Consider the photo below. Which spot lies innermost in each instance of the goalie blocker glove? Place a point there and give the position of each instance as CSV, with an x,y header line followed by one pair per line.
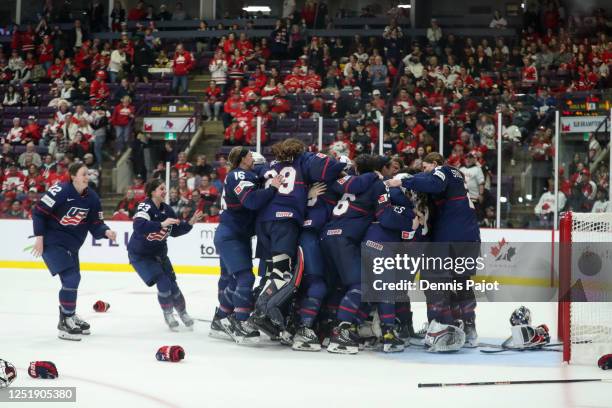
x,y
43,369
170,353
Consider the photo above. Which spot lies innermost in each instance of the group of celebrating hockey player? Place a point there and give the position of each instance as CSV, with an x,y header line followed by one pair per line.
x,y
310,213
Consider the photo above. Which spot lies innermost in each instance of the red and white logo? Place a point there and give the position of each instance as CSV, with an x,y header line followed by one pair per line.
x,y
74,216
159,235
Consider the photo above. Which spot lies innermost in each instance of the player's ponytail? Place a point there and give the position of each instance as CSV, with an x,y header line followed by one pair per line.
x,y
236,155
152,186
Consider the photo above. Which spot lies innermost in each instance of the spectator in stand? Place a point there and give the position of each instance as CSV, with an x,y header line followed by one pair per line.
x,y
209,193
117,16
182,165
218,68
213,215
434,36
601,204
118,60
213,100
179,14
544,209
201,166
121,119
137,13
30,155
234,134
138,188
11,97
181,65
99,91
99,125
15,212
15,135
475,181
279,40
76,37
498,21
125,89
126,208
93,171
13,179
31,132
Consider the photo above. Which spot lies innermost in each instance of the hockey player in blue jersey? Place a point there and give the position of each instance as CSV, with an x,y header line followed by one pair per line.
x,y
341,243
454,222
321,201
154,222
242,198
279,224
61,220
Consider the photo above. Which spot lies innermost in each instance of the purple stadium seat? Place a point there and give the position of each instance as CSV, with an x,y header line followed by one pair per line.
x,y
308,125
46,111
306,137
30,110
12,110
285,125
329,138
330,125
278,136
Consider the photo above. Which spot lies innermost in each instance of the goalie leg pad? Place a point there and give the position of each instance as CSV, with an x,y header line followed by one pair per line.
x,y
444,338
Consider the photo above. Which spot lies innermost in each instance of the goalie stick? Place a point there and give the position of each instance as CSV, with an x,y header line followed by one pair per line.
x,y
431,385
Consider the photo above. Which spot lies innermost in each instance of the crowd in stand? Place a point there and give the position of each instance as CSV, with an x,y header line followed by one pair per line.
x,y
289,77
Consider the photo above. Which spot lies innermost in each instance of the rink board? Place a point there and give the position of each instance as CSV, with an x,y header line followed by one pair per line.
x,y
195,252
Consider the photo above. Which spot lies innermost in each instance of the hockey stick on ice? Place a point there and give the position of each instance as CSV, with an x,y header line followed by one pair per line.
x,y
431,385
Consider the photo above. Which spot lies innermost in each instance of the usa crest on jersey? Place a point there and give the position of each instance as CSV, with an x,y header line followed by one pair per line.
x,y
74,216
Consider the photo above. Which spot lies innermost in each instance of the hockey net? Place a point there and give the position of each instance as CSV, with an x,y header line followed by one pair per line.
x,y
585,292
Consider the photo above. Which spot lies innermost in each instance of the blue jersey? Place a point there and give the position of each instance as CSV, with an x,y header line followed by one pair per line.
x,y
63,217
149,238
455,216
241,199
290,202
319,209
354,213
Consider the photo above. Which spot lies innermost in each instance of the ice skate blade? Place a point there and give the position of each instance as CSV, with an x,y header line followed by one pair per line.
x,y
221,335
67,336
86,332
246,341
338,349
301,346
387,348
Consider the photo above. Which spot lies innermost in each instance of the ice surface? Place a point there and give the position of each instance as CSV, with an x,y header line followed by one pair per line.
x,y
116,363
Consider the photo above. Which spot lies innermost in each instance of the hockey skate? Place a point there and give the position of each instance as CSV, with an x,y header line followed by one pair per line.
x,y
242,332
171,321
82,324
264,324
344,340
220,328
405,330
306,339
471,336
68,329
390,340
186,319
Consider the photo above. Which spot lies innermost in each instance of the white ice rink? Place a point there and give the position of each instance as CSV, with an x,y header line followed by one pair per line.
x,y
116,364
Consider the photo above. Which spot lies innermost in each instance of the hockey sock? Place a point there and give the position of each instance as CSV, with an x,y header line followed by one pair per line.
x,y
164,294
225,293
330,309
310,304
179,301
68,293
243,295
349,306
464,301
386,313
403,312
438,306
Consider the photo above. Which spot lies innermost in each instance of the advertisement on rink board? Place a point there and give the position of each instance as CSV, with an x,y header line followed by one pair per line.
x,y
194,252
